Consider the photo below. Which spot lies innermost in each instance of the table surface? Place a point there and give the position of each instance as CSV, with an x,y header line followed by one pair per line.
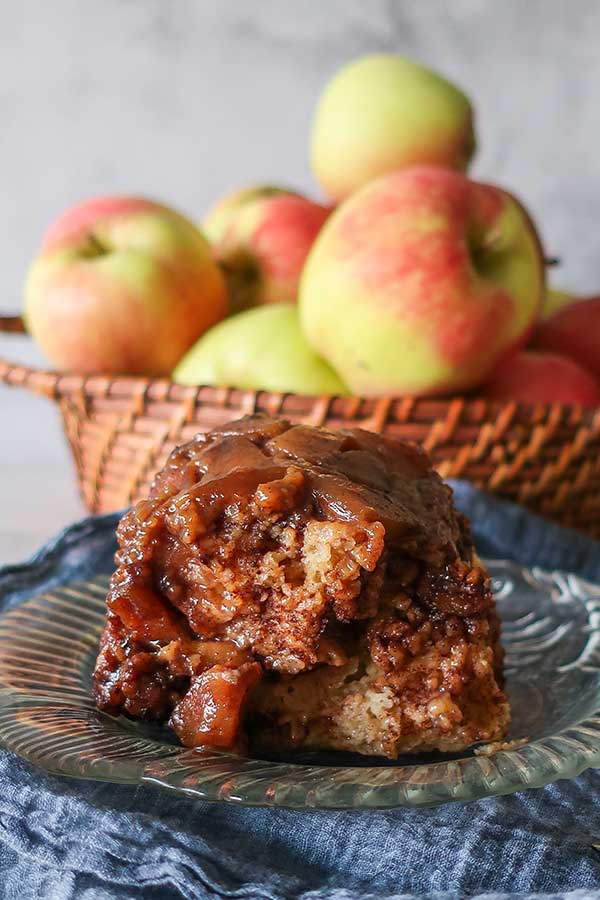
x,y
38,488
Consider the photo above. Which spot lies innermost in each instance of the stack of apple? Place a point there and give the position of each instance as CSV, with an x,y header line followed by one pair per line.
x,y
410,279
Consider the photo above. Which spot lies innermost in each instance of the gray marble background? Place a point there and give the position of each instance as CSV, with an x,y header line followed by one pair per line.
x,y
184,99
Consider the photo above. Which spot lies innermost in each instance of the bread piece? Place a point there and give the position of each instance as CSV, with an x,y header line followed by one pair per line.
x,y
287,586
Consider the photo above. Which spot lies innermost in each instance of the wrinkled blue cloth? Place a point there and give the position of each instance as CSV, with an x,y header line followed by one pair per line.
x,y
64,839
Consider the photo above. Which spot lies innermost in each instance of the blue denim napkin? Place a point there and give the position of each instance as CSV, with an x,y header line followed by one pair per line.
x,y
74,840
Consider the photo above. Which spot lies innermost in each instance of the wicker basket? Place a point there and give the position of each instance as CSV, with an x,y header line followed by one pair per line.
x,y
121,430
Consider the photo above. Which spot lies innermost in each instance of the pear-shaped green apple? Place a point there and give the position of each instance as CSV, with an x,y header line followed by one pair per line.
x,y
420,282
124,285
383,112
260,238
260,349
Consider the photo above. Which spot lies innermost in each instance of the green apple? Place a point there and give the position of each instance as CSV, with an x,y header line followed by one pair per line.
x,y
260,349
383,112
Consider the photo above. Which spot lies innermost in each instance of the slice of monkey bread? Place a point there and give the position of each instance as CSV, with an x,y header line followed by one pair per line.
x,y
290,587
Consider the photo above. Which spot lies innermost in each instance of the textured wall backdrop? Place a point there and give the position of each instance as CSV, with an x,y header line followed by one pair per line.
x,y
183,99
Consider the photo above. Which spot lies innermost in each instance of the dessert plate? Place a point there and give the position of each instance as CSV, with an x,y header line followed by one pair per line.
x,y
551,632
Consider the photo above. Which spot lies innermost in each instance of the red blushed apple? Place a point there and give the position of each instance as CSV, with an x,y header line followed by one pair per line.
x,y
261,242
531,377
420,282
571,326
122,284
224,211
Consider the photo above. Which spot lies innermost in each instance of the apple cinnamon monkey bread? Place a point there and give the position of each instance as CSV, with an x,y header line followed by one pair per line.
x,y
290,587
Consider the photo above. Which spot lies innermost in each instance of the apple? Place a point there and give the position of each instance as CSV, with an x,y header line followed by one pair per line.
x,y
122,284
420,282
260,349
553,301
261,244
532,377
219,216
571,326
381,113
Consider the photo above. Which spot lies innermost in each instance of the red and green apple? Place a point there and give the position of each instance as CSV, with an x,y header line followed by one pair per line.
x,y
538,377
123,285
421,282
261,238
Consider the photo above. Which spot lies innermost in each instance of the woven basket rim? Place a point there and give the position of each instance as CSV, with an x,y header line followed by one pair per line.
x,y
54,384
121,428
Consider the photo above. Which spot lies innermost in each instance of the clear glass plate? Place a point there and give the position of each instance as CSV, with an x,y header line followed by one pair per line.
x,y
551,632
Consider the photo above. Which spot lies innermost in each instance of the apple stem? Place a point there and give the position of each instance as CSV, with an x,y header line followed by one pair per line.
x,y
96,244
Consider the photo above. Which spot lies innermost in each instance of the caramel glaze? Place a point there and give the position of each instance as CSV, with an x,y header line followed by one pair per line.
x,y
180,641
